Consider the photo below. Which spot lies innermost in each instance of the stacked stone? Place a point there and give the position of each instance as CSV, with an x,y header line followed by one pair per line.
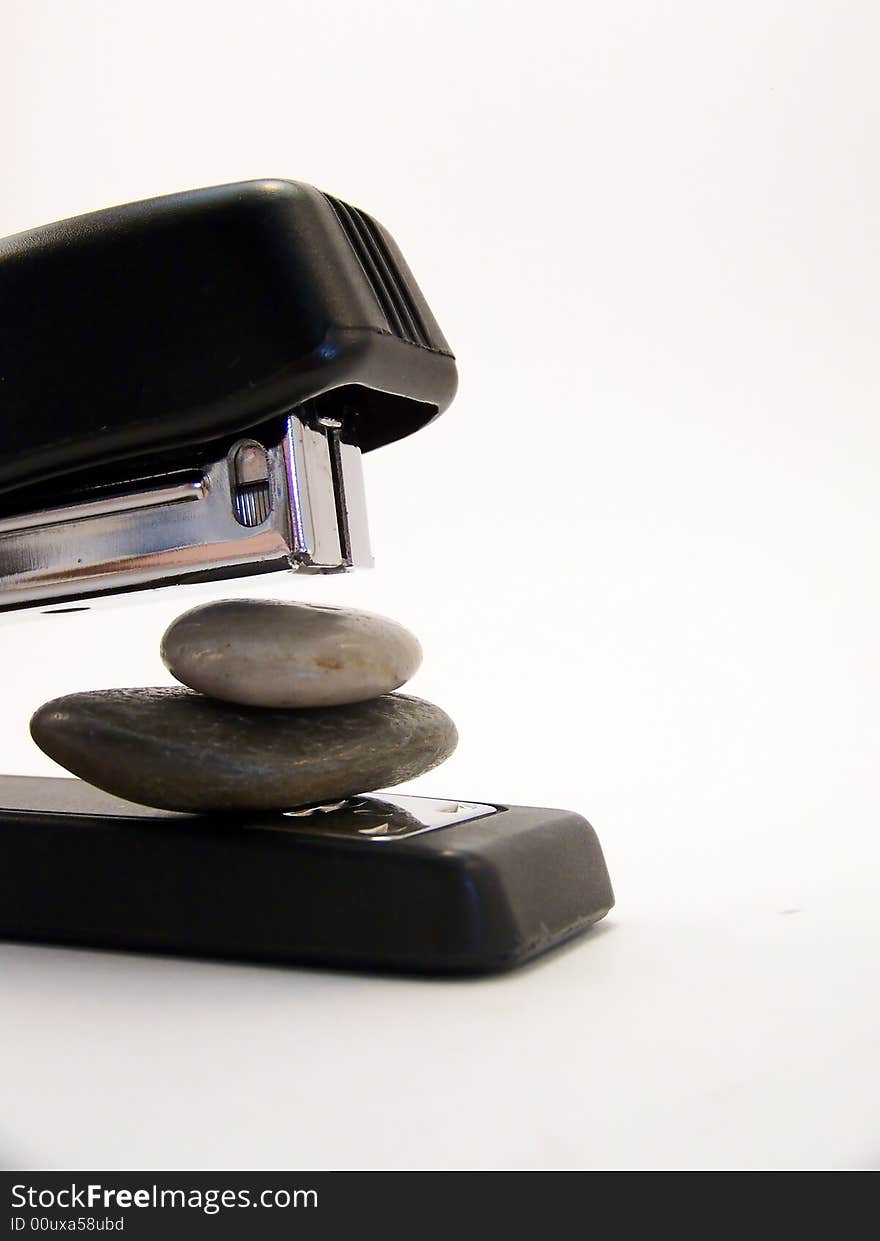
x,y
286,705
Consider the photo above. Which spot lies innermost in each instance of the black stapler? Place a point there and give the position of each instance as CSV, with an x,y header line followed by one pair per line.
x,y
187,387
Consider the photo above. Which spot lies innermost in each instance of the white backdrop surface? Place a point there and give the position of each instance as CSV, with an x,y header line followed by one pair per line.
x,y
640,551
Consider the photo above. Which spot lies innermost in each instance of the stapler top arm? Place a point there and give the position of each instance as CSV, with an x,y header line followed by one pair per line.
x,y
187,385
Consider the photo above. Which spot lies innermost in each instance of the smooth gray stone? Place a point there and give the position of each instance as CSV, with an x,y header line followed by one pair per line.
x,y
177,750
265,653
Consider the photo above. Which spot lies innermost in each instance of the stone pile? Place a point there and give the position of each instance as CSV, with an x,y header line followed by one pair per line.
x,y
286,705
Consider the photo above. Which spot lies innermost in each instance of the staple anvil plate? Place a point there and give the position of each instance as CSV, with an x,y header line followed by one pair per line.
x,y
388,882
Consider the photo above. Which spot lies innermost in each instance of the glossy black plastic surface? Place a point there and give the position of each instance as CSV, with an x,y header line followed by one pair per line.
x,y
185,319
476,896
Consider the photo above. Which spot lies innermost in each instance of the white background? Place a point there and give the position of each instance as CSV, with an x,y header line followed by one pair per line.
x,y
640,552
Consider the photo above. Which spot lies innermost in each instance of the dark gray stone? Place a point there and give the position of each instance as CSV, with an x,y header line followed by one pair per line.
x,y
266,653
177,750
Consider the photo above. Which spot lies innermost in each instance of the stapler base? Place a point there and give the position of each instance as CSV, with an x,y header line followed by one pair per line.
x,y
389,882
